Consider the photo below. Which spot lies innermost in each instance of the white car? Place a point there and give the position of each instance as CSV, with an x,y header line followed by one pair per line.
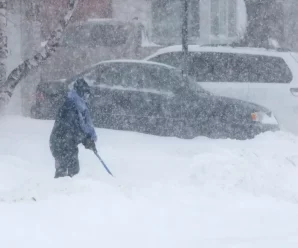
x,y
265,77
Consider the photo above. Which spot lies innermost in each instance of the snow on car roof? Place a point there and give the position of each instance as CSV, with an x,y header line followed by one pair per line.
x,y
91,67
222,49
132,61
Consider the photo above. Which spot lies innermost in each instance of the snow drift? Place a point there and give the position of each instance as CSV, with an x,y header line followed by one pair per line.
x,y
168,192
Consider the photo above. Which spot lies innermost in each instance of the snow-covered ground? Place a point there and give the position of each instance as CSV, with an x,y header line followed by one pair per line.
x,y
166,193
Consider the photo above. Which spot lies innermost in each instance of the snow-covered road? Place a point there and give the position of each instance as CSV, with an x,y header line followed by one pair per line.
x,y
166,193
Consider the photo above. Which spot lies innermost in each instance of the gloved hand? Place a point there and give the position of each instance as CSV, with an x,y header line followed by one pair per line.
x,y
89,144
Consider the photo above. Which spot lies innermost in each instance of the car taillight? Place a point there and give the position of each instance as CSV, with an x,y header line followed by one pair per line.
x,y
40,96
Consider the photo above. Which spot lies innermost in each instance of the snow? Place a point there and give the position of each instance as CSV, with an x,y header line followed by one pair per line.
x,y
167,192
43,43
295,56
104,20
131,61
222,49
274,43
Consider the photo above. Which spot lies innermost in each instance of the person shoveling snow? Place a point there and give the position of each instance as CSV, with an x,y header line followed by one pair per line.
x,y
73,126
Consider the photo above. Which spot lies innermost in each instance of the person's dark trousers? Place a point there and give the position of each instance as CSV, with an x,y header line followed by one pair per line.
x,y
67,162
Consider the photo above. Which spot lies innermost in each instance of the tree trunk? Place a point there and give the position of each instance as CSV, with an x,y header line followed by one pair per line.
x,y
3,41
19,73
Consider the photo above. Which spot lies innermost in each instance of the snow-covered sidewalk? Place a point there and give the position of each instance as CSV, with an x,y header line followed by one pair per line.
x,y
166,193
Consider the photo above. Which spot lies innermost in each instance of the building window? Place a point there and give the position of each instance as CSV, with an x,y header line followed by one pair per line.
x,y
194,18
215,17
232,18
166,16
223,17
223,13
167,21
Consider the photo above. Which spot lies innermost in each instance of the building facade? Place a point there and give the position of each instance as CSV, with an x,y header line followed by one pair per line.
x,y
291,24
51,11
266,23
210,21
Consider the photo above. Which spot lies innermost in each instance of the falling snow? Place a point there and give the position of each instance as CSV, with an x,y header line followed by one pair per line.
x,y
194,105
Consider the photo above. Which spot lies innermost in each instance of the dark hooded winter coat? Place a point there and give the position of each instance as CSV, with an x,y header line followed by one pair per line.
x,y
72,125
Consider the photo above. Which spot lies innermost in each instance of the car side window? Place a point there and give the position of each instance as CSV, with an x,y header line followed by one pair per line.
x,y
204,67
108,75
160,79
132,76
129,76
145,77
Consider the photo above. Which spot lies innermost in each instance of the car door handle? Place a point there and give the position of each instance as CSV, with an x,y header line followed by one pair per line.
x,y
294,91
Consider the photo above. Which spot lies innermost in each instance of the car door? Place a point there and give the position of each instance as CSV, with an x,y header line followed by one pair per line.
x,y
122,97
158,94
143,97
271,80
219,73
130,110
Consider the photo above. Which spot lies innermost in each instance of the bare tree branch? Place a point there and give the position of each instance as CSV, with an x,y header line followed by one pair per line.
x,y
19,73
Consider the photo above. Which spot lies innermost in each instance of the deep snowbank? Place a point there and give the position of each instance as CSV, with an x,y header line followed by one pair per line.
x,y
167,192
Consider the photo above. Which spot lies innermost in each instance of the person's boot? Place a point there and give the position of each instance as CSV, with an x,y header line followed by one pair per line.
x,y
73,171
60,172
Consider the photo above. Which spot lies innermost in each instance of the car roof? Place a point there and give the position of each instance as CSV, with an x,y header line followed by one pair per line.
x,y
219,48
132,61
123,61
